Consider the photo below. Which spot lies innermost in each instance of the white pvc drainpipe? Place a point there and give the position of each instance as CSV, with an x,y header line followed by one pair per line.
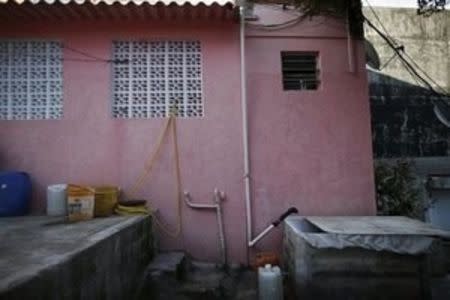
x,y
248,200
248,207
350,47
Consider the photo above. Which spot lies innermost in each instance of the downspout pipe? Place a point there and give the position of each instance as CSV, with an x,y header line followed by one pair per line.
x,y
245,141
350,45
248,202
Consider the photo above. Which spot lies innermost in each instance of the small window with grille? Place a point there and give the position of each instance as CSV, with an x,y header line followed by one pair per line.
x,y
300,71
30,80
157,78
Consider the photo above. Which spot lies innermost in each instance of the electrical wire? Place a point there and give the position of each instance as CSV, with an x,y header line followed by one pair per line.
x,y
374,13
388,62
399,50
277,26
281,7
411,66
399,46
440,102
287,24
425,73
85,54
407,64
74,59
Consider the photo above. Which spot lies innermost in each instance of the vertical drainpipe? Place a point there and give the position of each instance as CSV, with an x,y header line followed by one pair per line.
x,y
350,45
248,209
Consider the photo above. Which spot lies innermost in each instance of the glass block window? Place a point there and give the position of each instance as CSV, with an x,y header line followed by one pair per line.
x,y
154,78
30,80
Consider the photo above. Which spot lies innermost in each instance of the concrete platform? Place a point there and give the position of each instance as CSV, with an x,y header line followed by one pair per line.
x,y
47,258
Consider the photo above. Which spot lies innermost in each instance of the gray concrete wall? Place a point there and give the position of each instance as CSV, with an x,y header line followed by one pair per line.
x,y
403,121
112,268
426,40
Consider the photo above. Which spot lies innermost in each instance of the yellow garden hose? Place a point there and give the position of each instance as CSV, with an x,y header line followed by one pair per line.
x,y
150,161
137,186
131,210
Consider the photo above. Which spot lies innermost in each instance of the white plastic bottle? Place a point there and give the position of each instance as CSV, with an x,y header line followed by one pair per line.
x,y
270,283
56,200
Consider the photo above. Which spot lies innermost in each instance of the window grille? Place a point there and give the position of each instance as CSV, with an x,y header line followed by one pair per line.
x,y
30,80
156,78
300,71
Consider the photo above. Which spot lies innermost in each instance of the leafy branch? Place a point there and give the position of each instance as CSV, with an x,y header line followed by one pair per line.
x,y
396,189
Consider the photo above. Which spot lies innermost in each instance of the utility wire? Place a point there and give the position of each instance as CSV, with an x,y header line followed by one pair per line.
x,y
408,66
388,62
374,13
298,18
86,60
399,53
441,107
94,58
85,54
412,67
278,26
425,73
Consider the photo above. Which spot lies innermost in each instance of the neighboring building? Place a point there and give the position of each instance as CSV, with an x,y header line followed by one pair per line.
x,y
84,89
404,123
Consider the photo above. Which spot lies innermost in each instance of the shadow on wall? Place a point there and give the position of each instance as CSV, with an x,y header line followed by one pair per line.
x,y
404,123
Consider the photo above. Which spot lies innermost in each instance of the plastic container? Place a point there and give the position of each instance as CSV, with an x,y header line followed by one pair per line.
x,y
270,283
56,200
80,202
15,193
106,198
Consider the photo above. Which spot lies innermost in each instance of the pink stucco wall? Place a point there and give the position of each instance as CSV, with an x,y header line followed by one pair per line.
x,y
308,149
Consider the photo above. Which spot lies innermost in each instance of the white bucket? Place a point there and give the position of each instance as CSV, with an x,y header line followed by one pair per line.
x,y
56,200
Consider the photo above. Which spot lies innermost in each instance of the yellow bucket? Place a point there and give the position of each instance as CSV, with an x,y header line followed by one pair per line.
x,y
106,198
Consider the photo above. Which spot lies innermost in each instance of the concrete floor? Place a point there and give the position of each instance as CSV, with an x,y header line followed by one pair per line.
x,y
30,245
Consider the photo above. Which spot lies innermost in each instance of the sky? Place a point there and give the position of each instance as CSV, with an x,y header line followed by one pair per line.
x,y
392,3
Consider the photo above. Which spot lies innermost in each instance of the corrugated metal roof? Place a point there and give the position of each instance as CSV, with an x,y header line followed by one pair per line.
x,y
125,2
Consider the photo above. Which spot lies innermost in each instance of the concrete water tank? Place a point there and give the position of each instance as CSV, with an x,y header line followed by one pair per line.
x,y
358,257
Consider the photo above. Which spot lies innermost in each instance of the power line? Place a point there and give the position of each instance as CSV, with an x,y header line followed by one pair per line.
x,y
425,73
85,60
85,54
412,66
388,62
411,70
441,108
407,64
379,20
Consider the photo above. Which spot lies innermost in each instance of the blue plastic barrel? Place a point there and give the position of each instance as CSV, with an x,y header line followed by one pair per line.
x,y
15,194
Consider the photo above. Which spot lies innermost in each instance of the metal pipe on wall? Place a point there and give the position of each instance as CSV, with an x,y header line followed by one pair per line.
x,y
217,206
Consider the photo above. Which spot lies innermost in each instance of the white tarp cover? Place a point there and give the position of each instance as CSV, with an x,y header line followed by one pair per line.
x,y
394,234
390,225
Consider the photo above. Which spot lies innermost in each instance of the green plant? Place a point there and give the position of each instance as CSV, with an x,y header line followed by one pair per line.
x,y
396,189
